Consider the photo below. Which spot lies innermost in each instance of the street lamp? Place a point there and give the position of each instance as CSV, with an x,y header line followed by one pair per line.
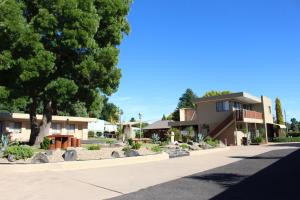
x,y
140,117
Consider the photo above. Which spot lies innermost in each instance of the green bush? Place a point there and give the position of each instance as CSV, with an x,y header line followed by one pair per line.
x,y
294,134
286,139
184,146
156,149
258,140
165,143
212,142
184,138
45,144
136,146
91,134
19,151
130,141
126,149
94,147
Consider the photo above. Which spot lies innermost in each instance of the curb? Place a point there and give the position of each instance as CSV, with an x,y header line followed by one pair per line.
x,y
78,165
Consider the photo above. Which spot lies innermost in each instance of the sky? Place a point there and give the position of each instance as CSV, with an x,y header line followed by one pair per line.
x,y
249,45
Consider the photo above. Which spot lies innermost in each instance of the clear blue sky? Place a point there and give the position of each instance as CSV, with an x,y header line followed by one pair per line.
x,y
248,45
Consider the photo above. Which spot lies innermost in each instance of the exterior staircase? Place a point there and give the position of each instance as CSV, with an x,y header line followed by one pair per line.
x,y
222,126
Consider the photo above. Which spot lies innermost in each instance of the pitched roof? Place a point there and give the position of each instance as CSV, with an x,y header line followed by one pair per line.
x,y
161,124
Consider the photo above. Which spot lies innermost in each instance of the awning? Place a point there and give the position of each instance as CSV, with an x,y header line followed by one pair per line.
x,y
281,126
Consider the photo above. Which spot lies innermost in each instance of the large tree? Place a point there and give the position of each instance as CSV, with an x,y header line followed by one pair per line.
x,y
294,125
279,115
187,100
60,53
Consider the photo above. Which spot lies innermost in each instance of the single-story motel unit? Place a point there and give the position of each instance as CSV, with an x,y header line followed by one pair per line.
x,y
18,125
227,118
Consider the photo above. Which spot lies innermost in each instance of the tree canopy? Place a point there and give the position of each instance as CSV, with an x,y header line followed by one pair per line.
x,y
216,93
187,100
61,53
279,115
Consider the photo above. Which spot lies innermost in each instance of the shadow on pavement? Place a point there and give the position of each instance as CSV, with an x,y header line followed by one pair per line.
x,y
256,157
278,181
285,145
223,179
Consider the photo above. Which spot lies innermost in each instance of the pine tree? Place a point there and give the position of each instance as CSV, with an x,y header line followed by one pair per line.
x,y
279,115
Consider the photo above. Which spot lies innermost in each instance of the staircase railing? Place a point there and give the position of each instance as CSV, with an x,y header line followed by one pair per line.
x,y
222,125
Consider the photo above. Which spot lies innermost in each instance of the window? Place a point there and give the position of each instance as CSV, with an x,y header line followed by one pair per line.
x,y
15,127
237,105
55,128
71,128
270,110
222,106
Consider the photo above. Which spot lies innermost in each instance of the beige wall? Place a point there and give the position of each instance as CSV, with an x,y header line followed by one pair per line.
x,y
81,129
188,114
266,103
207,114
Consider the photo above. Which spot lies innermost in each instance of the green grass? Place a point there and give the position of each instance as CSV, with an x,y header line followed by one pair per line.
x,y
286,139
184,146
104,140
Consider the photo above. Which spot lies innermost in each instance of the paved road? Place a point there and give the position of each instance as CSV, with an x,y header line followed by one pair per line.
x,y
271,175
166,177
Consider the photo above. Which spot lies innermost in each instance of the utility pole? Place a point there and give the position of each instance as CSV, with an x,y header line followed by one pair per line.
x,y
140,117
120,119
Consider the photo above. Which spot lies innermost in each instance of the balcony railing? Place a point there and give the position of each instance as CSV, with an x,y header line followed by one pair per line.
x,y
242,114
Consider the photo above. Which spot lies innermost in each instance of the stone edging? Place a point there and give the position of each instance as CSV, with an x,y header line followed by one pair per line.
x,y
78,165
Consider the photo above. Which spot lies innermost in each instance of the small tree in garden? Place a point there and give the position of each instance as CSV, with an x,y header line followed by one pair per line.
x,y
191,133
155,138
279,115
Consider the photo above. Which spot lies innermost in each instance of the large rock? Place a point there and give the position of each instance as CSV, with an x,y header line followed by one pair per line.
x,y
194,147
70,155
115,154
11,158
40,158
131,153
204,145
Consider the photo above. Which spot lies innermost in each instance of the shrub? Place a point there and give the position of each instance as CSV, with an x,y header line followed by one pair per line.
x,y
130,141
212,142
155,138
19,151
258,140
184,146
91,134
45,144
138,134
156,149
165,143
286,139
94,147
294,134
126,149
184,138
177,136
99,134
136,146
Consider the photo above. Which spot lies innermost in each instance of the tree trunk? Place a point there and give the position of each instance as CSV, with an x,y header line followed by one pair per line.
x,y
33,123
45,125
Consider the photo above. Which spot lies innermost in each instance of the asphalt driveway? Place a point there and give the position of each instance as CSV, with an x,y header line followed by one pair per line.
x,y
271,175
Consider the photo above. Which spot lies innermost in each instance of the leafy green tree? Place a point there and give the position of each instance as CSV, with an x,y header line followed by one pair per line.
x,y
279,115
216,93
294,125
164,118
132,119
110,112
59,53
187,100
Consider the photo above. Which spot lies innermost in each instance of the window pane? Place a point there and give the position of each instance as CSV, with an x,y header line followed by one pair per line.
x,y
55,128
71,128
226,106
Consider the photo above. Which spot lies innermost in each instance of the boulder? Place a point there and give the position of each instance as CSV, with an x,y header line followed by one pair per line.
x,y
194,148
70,155
40,158
115,154
131,153
204,145
11,158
